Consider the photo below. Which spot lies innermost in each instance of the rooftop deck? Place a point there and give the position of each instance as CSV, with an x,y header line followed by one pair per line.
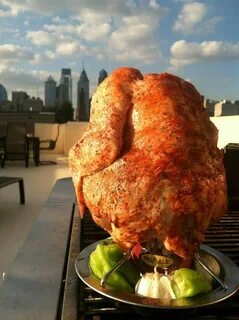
x,y
16,219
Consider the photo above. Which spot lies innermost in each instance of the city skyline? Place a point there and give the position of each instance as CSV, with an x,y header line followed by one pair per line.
x,y
57,82
102,74
197,40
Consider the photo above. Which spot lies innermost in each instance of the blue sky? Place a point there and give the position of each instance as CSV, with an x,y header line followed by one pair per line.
x,y
197,40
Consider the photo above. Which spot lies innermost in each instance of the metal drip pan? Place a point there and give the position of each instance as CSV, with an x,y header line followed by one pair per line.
x,y
229,273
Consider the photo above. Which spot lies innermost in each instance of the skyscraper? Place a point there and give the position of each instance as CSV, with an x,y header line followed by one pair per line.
x,y
66,81
3,93
102,75
50,92
18,99
83,92
62,93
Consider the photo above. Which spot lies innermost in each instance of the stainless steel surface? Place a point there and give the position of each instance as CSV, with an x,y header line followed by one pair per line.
x,y
212,274
229,270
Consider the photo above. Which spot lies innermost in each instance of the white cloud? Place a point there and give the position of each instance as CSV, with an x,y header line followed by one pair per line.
x,y
57,19
19,79
67,48
138,54
10,54
60,29
5,13
54,6
93,25
134,40
36,59
10,9
51,55
185,53
9,30
57,43
41,38
97,52
113,30
193,18
183,1
133,30
129,36
153,4
190,15
90,31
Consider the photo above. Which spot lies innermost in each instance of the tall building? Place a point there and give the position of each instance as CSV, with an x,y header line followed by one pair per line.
x,y
62,93
209,104
83,92
22,102
226,108
50,92
66,81
18,99
102,75
3,93
33,104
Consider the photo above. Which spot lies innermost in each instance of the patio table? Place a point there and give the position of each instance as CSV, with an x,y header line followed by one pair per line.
x,y
6,181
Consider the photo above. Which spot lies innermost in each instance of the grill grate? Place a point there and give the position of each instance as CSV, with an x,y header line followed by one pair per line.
x,y
222,236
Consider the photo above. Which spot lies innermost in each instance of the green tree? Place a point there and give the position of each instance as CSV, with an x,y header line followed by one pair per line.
x,y
50,109
64,112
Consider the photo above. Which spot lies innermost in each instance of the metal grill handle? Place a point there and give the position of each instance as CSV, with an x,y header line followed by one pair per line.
x,y
116,267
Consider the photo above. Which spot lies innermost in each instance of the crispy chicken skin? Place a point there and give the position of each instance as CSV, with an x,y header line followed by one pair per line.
x,y
148,166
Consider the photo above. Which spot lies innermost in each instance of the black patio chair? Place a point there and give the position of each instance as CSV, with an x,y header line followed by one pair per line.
x,y
15,144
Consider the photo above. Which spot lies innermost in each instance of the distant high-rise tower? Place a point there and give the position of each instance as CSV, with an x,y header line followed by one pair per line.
x,y
83,92
102,75
66,81
50,92
18,99
62,93
3,93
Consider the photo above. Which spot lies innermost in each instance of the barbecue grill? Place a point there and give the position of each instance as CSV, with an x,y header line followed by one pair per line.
x,y
222,236
43,285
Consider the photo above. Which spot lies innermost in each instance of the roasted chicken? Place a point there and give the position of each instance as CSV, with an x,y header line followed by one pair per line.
x,y
148,166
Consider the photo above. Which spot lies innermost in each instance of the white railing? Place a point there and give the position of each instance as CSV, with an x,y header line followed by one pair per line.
x,y
71,132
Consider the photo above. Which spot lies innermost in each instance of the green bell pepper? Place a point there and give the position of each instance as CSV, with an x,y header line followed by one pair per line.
x,y
106,255
188,283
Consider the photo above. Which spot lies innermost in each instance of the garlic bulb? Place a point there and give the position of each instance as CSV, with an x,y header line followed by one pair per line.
x,y
155,285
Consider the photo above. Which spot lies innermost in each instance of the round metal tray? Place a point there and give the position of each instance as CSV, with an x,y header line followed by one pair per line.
x,y
229,270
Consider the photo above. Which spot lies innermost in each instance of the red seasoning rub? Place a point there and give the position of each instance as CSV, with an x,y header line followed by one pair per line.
x,y
148,167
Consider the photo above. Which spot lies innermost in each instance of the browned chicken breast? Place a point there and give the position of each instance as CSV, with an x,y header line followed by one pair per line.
x,y
148,166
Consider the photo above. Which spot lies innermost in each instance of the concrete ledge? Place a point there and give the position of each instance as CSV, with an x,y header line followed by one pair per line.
x,y
33,285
